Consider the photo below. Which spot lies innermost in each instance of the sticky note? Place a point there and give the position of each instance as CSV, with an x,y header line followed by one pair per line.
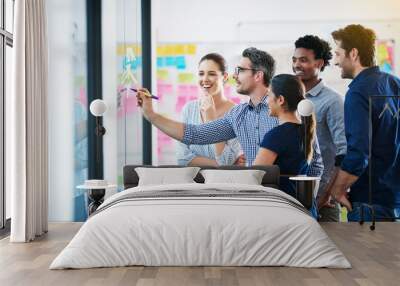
x,y
191,49
183,90
131,53
169,50
180,103
227,91
161,51
231,81
160,62
193,92
186,78
179,50
170,61
180,62
235,99
162,74
82,96
164,89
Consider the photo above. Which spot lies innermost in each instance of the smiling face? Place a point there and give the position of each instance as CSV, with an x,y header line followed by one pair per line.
x,y
245,77
304,64
344,61
210,77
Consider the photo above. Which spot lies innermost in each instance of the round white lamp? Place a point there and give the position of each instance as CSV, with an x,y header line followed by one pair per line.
x,y
98,107
305,107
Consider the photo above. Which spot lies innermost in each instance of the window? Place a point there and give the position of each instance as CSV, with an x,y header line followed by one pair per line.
x,y
6,44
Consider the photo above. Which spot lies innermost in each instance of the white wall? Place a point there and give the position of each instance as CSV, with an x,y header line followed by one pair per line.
x,y
219,21
271,23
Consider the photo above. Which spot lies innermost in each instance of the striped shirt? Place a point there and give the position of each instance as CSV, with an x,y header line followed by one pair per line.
x,y
249,123
186,153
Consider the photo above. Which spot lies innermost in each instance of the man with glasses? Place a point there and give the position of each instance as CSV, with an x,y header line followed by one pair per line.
x,y
249,122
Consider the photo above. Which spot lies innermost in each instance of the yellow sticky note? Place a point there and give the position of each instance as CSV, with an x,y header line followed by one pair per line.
x,y
343,214
186,78
382,52
137,49
160,51
191,49
179,50
169,50
162,74
231,81
120,49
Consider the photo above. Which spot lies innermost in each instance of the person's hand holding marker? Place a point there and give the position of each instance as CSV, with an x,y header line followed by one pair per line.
x,y
151,95
144,100
170,127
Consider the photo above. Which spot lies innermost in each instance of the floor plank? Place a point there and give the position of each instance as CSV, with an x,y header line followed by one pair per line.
x,y
374,255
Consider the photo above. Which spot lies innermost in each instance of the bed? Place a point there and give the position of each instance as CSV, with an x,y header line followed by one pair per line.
x,y
201,224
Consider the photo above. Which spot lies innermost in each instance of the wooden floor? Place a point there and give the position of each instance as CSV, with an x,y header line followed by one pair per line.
x,y
374,255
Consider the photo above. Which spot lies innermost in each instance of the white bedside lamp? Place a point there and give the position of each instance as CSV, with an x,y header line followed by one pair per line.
x,y
305,108
306,187
97,187
98,107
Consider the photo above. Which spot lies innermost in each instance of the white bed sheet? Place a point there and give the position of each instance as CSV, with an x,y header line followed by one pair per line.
x,y
200,231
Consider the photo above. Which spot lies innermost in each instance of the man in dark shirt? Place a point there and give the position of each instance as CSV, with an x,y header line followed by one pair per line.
x,y
355,55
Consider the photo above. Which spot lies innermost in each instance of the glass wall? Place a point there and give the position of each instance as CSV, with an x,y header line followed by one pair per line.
x,y
68,102
122,70
67,107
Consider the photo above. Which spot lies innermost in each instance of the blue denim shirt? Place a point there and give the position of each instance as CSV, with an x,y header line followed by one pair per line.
x,y
385,140
329,113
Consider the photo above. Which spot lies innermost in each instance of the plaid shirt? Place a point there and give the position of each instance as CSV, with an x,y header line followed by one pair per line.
x,y
249,124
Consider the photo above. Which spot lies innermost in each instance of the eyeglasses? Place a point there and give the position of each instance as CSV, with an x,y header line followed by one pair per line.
x,y
238,70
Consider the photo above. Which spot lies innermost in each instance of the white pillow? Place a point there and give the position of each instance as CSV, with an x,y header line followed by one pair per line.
x,y
249,177
166,176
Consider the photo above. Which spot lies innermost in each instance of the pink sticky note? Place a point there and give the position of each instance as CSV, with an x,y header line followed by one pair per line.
x,y
180,103
227,91
235,99
82,96
128,105
164,89
194,91
163,139
183,90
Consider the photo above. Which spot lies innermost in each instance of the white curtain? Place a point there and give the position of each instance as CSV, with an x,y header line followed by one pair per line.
x,y
28,121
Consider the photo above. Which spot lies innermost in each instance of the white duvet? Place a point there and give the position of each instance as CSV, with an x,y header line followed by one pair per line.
x,y
185,231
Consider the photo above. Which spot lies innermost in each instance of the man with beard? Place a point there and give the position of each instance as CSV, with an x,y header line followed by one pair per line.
x,y
310,58
249,122
355,55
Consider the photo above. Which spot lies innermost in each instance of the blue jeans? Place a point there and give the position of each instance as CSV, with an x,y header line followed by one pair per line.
x,y
314,209
382,213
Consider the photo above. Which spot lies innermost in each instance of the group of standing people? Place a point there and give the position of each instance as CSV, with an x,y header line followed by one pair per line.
x,y
333,145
